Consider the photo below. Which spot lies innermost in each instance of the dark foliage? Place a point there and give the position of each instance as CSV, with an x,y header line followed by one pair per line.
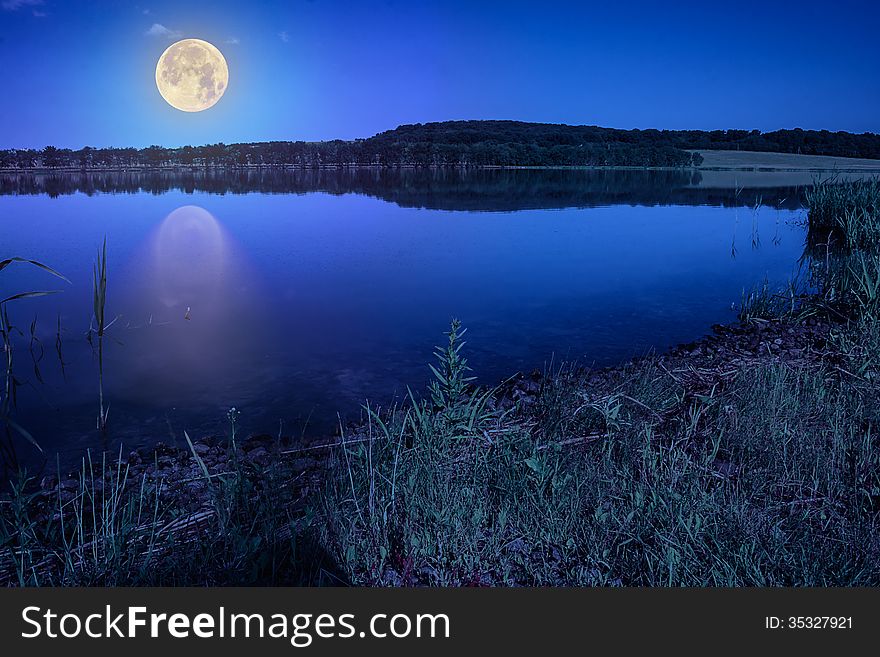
x,y
467,143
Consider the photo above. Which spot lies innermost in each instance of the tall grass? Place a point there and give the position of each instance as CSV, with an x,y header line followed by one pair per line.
x,y
7,395
108,527
99,289
763,302
843,244
770,481
850,209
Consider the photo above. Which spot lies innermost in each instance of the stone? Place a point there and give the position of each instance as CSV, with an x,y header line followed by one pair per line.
x,y
201,449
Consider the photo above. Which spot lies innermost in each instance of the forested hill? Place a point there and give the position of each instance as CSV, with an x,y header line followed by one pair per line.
x,y
548,136
514,143
467,143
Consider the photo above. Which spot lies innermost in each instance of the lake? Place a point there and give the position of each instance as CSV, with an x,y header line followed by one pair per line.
x,y
294,296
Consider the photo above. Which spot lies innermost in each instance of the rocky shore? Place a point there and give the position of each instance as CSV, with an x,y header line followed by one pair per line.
x,y
699,365
182,483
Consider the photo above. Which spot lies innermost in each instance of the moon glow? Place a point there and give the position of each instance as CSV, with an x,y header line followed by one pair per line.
x,y
192,75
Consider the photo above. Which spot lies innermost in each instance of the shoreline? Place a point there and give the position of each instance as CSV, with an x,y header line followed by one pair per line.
x,y
749,457
182,477
332,167
725,345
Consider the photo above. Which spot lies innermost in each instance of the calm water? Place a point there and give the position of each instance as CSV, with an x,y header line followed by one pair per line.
x,y
296,296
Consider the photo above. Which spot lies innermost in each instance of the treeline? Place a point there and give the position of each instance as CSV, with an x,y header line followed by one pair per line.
x,y
376,151
546,137
797,141
464,143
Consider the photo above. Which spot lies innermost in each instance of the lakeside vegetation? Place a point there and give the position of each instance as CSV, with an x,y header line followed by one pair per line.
x,y
748,458
465,143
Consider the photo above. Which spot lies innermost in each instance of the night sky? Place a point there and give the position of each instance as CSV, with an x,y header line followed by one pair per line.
x,y
82,73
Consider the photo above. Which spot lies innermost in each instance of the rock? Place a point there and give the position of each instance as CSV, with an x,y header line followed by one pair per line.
x,y
201,449
260,456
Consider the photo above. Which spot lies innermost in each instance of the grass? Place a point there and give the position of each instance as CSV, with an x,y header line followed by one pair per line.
x,y
841,258
769,479
768,475
757,464
7,393
833,206
99,293
764,303
783,161
843,245
107,527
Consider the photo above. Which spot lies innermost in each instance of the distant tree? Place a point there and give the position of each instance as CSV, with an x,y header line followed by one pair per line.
x,y
154,156
26,158
186,155
50,157
85,156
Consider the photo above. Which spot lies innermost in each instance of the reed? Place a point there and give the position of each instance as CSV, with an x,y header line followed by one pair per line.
x,y
849,212
843,245
7,398
99,288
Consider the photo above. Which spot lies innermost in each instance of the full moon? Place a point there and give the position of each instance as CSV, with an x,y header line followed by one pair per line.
x,y
192,75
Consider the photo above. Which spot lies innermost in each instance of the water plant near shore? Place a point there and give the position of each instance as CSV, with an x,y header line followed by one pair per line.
x,y
7,394
99,292
852,210
843,246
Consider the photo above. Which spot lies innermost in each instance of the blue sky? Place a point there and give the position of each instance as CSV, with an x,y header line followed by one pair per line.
x,y
82,73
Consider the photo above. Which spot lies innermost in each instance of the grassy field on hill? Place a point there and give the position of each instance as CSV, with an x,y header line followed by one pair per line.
x,y
784,161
